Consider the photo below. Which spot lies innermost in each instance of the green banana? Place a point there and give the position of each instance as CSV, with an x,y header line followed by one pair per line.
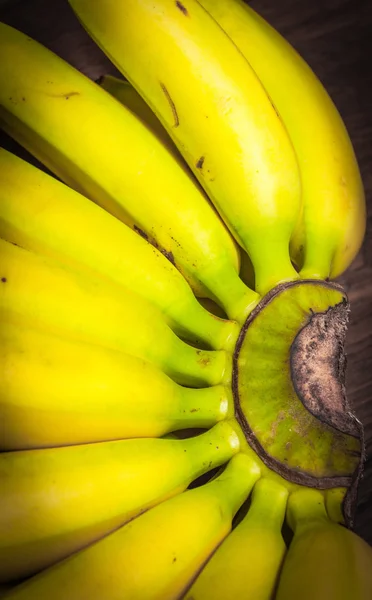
x,y
41,214
332,227
56,501
103,150
222,121
248,562
130,564
56,392
40,292
325,560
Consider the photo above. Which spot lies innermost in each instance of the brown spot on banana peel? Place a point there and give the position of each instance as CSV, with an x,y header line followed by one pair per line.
x,y
169,256
200,162
140,232
182,8
274,425
167,253
70,94
65,95
171,104
275,109
203,360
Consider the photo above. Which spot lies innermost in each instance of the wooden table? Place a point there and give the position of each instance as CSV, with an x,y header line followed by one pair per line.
x,y
335,37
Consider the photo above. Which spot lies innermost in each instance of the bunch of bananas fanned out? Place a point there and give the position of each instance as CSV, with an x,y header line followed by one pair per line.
x,y
173,414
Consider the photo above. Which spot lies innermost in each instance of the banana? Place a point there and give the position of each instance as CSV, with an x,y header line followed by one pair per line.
x,y
39,213
155,556
217,112
332,228
247,563
123,91
212,307
325,560
100,148
56,501
35,290
246,270
56,392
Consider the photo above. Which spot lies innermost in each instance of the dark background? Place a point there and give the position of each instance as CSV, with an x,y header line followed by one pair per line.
x,y
335,38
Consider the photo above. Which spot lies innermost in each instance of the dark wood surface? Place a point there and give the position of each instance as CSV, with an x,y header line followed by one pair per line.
x,y
335,37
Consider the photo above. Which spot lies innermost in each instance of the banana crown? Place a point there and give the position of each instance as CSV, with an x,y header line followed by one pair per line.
x,y
172,364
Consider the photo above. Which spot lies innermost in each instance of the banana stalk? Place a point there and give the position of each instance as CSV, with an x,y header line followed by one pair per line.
x,y
246,132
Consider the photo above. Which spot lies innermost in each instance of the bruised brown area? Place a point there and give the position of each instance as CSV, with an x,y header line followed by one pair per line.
x,y
274,107
200,162
169,255
182,8
65,95
140,232
204,360
70,94
318,364
171,104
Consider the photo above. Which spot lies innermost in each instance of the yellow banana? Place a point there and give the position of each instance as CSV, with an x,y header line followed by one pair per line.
x,y
39,213
56,501
56,392
333,224
156,556
103,150
222,119
123,91
325,560
40,292
247,563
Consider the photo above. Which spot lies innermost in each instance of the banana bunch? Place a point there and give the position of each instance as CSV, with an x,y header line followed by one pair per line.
x,y
173,415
